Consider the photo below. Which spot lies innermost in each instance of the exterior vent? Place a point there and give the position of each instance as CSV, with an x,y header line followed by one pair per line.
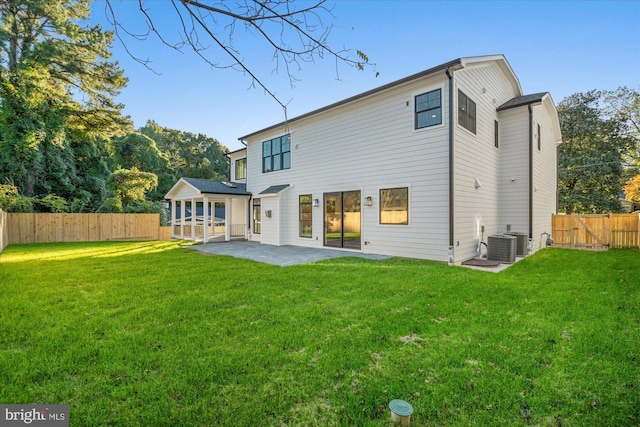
x,y
501,248
521,243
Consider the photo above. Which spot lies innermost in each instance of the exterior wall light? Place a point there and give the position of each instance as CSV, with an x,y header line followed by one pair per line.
x,y
368,201
315,203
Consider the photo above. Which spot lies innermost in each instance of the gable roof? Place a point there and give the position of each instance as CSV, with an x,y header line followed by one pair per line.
x,y
522,100
208,186
454,65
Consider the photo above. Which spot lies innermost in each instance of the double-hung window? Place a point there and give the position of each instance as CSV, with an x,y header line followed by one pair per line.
x,y
466,112
394,206
428,109
276,154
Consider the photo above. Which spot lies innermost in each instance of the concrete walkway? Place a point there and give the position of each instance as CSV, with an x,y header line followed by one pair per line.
x,y
277,255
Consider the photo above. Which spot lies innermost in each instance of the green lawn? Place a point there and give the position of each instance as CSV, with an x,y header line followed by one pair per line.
x,y
151,334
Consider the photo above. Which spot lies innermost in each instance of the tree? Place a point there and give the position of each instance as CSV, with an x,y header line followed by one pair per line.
x,y
128,187
590,174
295,32
136,150
189,155
57,90
624,104
632,189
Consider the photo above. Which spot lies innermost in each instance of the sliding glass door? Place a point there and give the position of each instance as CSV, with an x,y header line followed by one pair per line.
x,y
342,219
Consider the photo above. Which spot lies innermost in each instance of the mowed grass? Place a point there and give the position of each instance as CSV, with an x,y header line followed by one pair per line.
x,y
151,334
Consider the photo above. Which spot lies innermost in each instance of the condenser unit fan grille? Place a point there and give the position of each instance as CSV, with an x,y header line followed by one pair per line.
x,y
521,243
501,248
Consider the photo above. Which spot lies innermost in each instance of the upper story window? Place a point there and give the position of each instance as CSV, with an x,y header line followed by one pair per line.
x,y
539,137
496,128
276,154
394,205
428,109
241,168
466,112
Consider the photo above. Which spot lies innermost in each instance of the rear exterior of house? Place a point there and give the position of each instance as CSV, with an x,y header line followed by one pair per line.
x,y
424,167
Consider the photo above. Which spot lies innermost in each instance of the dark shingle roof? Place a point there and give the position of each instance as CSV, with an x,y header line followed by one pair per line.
x,y
522,100
274,189
218,187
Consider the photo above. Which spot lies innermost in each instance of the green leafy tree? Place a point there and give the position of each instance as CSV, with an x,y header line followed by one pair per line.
x,y
131,185
129,189
632,189
624,104
57,88
188,154
136,150
590,174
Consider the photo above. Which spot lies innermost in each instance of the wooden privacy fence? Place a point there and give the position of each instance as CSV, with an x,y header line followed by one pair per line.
x,y
598,232
71,227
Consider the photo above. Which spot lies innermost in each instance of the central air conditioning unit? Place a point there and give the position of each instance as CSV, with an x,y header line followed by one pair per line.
x,y
521,243
501,247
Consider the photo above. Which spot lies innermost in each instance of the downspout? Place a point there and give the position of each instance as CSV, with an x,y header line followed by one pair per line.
x,y
451,175
530,171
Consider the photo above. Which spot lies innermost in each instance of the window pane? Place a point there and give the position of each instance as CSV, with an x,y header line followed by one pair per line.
x,y
275,146
266,166
394,206
276,162
466,112
266,148
428,101
286,161
429,118
286,143
241,169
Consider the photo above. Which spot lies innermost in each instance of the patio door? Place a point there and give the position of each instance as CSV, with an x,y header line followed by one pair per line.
x,y
342,220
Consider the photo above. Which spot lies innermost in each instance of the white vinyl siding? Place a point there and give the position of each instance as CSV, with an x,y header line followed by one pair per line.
x,y
514,167
368,145
544,176
476,159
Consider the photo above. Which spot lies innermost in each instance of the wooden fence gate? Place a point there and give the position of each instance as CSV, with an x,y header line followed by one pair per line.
x,y
597,232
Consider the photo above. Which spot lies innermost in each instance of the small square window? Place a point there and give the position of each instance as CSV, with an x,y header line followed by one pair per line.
x,y
394,206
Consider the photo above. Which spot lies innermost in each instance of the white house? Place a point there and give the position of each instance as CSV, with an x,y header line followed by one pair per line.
x,y
425,167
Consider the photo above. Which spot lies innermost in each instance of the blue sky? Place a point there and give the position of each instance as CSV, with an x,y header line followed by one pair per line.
x,y
562,47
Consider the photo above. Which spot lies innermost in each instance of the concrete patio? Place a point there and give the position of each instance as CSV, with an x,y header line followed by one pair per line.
x,y
277,255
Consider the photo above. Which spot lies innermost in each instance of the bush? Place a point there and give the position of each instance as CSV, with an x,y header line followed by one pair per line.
x,y
12,201
146,206
54,204
111,205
